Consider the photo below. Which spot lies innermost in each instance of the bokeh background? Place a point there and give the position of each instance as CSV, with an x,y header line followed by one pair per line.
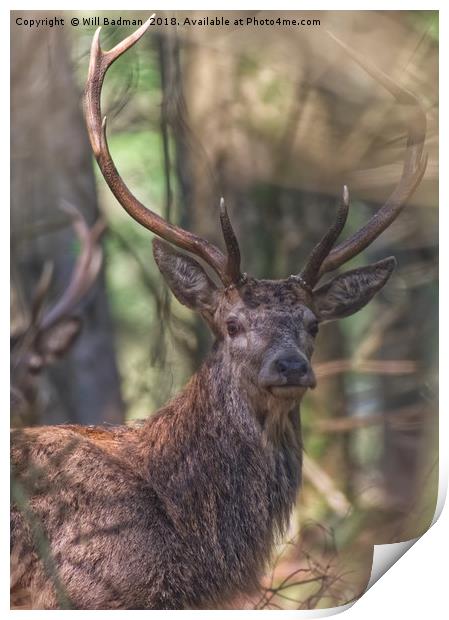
x,y
275,119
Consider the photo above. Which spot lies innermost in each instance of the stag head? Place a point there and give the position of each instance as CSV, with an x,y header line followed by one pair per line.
x,y
52,329
265,329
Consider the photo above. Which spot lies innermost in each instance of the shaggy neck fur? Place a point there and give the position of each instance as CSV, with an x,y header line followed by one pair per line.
x,y
226,468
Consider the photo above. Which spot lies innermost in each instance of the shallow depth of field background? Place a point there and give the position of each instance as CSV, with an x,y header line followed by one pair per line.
x,y
275,119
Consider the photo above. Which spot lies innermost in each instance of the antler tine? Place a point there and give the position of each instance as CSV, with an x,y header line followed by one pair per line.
x,y
90,272
26,336
100,62
232,245
413,170
86,267
310,273
96,258
41,292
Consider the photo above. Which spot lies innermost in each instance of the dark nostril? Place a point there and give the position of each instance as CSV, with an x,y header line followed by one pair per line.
x,y
282,365
288,365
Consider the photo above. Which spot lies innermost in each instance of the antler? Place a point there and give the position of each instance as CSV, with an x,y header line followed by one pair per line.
x,y
85,272
322,259
41,292
227,267
86,268
310,273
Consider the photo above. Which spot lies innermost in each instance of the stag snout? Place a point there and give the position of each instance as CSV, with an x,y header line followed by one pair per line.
x,y
287,371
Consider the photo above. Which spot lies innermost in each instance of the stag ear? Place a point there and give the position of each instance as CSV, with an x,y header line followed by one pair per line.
x,y
186,278
55,341
349,292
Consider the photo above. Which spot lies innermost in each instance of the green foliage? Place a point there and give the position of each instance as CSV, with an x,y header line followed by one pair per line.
x,y
139,158
427,21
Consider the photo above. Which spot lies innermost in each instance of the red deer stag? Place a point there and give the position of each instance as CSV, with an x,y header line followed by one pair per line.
x,y
182,511
51,331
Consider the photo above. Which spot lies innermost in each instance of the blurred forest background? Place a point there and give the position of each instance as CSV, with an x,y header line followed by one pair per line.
x,y
275,119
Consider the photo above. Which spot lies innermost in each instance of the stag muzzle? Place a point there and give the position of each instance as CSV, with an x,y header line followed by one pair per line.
x,y
287,370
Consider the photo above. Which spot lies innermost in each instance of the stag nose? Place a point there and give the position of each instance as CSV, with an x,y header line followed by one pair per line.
x,y
289,369
292,367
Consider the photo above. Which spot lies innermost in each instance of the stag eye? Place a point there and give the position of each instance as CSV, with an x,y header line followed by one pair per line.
x,y
233,327
313,328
